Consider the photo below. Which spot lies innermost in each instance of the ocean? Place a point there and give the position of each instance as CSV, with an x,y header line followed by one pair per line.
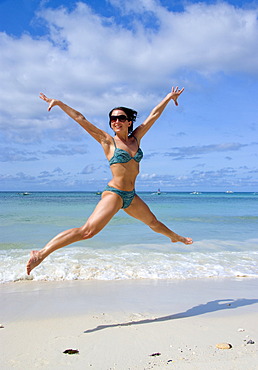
x,y
224,227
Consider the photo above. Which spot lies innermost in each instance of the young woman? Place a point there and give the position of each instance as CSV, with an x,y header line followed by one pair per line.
x,y
124,154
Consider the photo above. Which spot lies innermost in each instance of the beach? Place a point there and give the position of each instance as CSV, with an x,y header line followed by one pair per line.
x,y
128,298
130,324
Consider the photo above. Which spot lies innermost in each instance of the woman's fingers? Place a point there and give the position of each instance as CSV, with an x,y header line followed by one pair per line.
x,y
46,99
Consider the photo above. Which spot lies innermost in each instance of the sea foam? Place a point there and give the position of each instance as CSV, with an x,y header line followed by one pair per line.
x,y
142,261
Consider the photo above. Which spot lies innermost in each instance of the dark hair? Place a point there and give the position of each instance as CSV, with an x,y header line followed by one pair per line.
x,y
130,113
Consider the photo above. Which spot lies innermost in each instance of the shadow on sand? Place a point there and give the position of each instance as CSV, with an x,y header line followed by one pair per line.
x,y
201,309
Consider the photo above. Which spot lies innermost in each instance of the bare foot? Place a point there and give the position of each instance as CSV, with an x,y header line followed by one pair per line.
x,y
178,238
35,260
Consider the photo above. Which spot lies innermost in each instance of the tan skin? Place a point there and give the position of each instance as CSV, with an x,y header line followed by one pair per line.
x,y
123,178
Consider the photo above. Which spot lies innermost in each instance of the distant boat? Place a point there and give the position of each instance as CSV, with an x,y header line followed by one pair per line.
x,y
158,192
195,192
25,193
229,192
98,192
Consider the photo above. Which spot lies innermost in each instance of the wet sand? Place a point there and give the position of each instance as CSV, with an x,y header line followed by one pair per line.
x,y
130,324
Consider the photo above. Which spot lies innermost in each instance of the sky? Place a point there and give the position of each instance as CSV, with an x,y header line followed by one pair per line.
x,y
96,55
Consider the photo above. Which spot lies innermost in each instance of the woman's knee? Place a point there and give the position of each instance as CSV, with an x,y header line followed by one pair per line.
x,y
87,232
153,222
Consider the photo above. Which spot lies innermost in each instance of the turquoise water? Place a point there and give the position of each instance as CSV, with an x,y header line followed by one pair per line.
x,y
223,227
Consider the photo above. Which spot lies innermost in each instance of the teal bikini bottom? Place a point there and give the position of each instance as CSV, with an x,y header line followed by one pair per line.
x,y
127,196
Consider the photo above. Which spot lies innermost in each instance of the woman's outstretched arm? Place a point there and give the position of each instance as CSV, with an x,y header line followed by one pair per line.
x,y
95,132
156,112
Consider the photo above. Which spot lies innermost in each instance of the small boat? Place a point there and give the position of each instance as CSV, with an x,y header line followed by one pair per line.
x,y
25,193
195,192
158,192
229,192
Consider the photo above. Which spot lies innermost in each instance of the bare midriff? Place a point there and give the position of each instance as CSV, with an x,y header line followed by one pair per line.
x,y
124,175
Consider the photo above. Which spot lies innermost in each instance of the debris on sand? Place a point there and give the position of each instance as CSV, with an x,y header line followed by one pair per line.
x,y
250,342
155,354
224,346
71,351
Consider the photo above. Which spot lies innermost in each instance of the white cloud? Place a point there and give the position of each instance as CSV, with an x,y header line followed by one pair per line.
x,y
205,38
183,152
89,169
147,176
89,59
221,179
9,154
94,62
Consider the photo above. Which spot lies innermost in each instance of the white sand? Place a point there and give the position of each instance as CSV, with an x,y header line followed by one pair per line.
x,y
119,324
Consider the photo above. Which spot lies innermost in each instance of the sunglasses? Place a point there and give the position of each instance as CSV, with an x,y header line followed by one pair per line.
x,y
121,118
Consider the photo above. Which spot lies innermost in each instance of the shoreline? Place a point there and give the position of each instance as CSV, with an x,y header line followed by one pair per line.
x,y
147,295
120,324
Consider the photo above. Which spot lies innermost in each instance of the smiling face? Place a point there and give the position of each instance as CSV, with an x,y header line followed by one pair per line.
x,y
119,121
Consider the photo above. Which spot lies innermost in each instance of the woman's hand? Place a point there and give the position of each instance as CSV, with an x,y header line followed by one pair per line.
x,y
175,92
51,102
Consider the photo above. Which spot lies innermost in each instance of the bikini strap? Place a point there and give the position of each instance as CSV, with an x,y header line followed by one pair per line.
x,y
114,141
136,141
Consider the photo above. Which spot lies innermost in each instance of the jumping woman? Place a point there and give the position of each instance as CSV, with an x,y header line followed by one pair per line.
x,y
124,154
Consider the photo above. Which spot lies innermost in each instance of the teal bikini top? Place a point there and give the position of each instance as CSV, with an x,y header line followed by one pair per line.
x,y
122,156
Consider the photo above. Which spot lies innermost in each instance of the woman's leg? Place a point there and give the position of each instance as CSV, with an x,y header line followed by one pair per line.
x,y
107,207
139,209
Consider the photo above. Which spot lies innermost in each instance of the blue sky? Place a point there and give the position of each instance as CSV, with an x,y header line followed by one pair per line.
x,y
95,55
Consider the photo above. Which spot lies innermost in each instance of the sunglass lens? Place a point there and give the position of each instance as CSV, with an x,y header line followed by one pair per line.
x,y
121,118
